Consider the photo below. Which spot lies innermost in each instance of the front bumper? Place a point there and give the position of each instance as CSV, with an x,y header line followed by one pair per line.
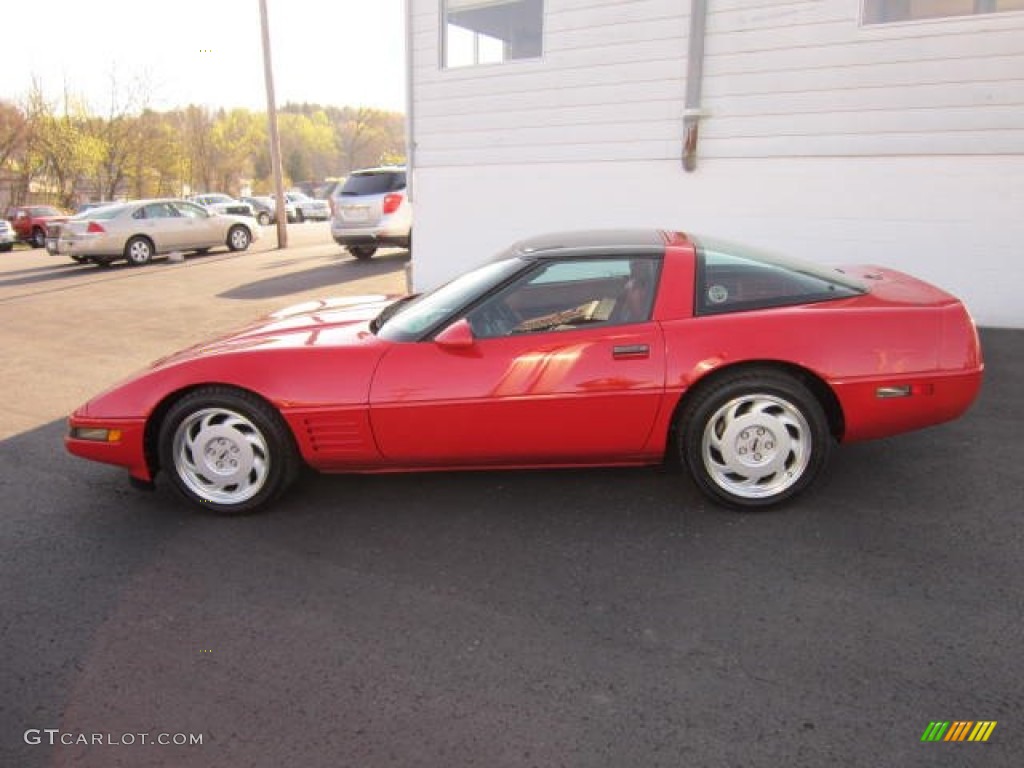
x,y
127,450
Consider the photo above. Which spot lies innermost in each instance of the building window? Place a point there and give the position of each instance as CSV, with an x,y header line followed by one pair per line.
x,y
884,11
491,31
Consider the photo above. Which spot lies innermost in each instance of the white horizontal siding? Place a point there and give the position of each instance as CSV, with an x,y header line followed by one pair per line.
x,y
803,79
900,144
595,95
954,221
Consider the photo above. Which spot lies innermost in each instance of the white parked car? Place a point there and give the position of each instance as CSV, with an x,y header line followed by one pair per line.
x,y
372,209
7,237
307,207
139,230
221,203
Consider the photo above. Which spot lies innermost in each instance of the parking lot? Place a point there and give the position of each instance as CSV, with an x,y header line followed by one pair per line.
x,y
564,618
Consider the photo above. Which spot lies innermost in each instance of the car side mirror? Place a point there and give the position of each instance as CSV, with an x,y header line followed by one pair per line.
x,y
458,335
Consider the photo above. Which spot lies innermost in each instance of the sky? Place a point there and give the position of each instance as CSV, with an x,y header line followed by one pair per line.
x,y
209,52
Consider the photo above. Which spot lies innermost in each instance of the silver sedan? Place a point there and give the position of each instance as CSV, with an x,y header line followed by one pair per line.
x,y
139,230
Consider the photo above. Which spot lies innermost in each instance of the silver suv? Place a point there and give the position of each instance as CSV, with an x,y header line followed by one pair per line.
x,y
371,210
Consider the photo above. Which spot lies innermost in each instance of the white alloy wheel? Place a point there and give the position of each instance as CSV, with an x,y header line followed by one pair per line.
x,y
754,438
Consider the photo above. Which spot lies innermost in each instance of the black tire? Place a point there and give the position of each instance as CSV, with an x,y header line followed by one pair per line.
x,y
362,251
239,238
263,218
6,247
299,215
227,450
138,251
753,438
38,238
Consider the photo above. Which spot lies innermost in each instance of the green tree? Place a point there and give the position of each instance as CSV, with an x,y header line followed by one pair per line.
x,y
307,145
235,138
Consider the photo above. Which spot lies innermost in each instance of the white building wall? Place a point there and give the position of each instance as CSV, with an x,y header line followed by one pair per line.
x,y
900,144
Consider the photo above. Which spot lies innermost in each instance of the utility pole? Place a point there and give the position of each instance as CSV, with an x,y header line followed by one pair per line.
x,y
275,139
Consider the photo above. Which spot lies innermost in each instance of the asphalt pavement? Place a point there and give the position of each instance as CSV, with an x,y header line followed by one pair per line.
x,y
552,618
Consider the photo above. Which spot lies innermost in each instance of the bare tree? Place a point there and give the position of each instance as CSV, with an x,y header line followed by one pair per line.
x,y
120,133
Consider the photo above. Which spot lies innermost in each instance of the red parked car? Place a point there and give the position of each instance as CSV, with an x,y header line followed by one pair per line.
x,y
604,348
29,222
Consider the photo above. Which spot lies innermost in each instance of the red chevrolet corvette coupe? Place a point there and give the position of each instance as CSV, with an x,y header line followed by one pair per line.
x,y
582,349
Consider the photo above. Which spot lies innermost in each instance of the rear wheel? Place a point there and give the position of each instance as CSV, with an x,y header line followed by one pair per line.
x,y
263,218
227,450
754,438
362,251
238,238
138,251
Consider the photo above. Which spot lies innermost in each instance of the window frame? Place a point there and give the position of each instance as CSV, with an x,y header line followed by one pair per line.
x,y
506,58
871,8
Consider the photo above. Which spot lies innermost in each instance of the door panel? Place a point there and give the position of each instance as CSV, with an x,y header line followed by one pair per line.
x,y
566,396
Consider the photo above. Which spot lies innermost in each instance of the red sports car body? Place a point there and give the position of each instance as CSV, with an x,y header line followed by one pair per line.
x,y
606,348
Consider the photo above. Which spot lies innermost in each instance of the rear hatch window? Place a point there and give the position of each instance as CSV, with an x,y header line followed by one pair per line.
x,y
373,183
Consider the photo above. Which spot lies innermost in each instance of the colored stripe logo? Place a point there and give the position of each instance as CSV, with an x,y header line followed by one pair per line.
x,y
958,730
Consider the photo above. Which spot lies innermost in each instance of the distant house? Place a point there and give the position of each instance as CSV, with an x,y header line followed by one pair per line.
x,y
882,131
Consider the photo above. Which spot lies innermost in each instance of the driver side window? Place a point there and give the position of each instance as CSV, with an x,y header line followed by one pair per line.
x,y
572,293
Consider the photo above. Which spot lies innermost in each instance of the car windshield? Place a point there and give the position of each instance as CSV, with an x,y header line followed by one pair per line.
x,y
417,316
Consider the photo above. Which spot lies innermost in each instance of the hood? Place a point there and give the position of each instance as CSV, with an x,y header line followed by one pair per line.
x,y
337,322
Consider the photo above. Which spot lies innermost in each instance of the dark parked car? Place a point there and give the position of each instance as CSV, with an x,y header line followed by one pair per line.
x,y
265,208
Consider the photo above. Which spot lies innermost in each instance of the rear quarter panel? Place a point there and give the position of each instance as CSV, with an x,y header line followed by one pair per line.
x,y
854,349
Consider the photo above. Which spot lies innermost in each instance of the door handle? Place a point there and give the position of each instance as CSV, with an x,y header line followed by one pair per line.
x,y
631,351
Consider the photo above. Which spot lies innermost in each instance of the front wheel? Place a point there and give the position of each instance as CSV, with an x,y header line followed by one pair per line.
x,y
754,438
362,251
227,450
238,238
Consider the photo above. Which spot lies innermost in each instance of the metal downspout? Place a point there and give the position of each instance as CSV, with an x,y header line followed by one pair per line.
x,y
410,138
692,112
410,126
